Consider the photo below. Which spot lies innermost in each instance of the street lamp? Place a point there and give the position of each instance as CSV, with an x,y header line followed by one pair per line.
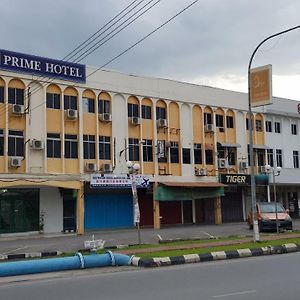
x,y
133,169
275,172
253,188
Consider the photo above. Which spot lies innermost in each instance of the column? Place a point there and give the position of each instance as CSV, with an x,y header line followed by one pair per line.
x,y
156,214
80,210
217,210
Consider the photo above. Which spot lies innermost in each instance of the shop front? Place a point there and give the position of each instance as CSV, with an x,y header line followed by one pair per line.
x,y
188,202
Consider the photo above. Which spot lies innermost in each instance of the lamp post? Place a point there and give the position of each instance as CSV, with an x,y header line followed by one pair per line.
x,y
133,170
253,188
275,172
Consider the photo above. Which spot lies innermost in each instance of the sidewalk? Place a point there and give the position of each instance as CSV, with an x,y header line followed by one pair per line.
x,y
72,242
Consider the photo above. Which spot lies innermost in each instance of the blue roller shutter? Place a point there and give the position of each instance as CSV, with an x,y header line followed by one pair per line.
x,y
108,211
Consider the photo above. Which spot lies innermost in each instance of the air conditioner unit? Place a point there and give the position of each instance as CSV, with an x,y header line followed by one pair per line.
x,y
222,163
15,162
135,121
200,172
37,144
72,114
209,128
243,165
105,117
161,123
106,168
90,167
18,109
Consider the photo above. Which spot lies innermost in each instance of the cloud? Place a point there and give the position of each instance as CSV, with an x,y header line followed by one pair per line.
x,y
211,42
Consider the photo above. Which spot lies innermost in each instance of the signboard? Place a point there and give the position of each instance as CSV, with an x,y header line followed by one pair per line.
x,y
40,66
261,86
235,179
117,181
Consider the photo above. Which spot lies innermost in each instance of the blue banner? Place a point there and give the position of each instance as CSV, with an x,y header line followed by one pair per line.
x,y
41,66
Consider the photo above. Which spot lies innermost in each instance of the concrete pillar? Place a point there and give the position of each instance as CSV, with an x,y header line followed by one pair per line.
x,y
156,213
80,209
217,210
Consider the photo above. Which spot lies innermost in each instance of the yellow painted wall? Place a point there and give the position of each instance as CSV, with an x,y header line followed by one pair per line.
x,y
71,166
174,131
105,129
71,126
90,119
54,165
148,168
231,132
2,164
133,131
220,135
260,136
54,121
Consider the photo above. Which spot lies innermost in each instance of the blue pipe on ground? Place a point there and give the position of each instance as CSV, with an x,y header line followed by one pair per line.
x,y
78,261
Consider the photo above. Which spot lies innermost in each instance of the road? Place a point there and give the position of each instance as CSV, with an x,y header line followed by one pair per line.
x,y
268,277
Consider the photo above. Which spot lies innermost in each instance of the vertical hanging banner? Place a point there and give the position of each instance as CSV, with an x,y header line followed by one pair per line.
x,y
261,86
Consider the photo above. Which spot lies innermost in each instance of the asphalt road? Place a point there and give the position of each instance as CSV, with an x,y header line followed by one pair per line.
x,y
268,277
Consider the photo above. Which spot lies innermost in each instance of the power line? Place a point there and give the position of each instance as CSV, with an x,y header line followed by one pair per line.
x,y
135,44
51,80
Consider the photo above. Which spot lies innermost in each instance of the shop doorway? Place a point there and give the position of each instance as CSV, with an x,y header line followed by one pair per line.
x,y
19,210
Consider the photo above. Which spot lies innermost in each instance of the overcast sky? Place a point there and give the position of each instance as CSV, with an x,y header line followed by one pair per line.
x,y
209,44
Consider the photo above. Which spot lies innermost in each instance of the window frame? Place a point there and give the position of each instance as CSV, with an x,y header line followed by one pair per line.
x,y
54,144
133,110
148,151
1,142
103,106
89,146
70,102
52,101
104,147
229,122
71,146
174,152
146,111
296,159
18,96
17,138
197,151
88,103
134,149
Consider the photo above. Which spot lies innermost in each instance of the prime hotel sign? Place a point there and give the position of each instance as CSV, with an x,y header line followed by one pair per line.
x,y
261,86
40,66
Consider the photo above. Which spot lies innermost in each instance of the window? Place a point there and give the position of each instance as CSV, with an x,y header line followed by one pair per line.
x,y
209,159
103,106
198,153
294,129
174,152
89,147
70,102
71,146
1,94
162,152
16,96
231,156
147,150
160,113
268,126
53,100
15,143
1,142
258,125
104,147
207,118
260,157
229,122
186,155
133,147
219,121
133,110
279,157
88,105
53,145
296,159
270,155
146,112
277,127
221,152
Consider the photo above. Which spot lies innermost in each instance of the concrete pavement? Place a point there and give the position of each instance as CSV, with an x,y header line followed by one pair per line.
x,y
72,242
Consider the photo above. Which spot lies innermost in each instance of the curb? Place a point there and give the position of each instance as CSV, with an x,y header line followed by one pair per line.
x,y
213,256
4,257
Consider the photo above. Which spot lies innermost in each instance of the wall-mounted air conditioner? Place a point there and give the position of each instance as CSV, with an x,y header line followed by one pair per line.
x,y
37,144
72,114
106,168
222,163
200,172
209,128
91,167
15,162
18,109
135,121
105,117
161,123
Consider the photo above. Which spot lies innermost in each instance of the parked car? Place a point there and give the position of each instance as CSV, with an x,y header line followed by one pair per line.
x,y
266,216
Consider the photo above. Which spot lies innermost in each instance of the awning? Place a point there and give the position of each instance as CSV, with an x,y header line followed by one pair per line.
x,y
228,145
260,147
193,184
186,191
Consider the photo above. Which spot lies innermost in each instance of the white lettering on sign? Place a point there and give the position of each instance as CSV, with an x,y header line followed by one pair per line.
x,y
22,63
235,179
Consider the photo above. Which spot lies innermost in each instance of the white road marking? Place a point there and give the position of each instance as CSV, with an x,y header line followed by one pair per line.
x,y
234,294
14,250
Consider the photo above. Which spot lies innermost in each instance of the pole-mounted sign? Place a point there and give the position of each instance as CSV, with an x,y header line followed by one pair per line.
x,y
261,86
